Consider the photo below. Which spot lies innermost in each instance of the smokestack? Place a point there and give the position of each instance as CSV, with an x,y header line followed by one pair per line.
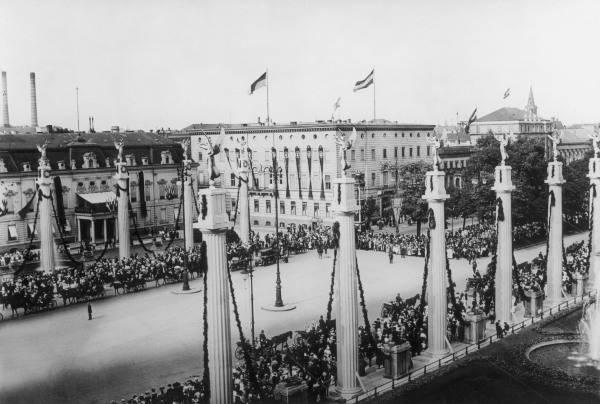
x,y
34,121
5,101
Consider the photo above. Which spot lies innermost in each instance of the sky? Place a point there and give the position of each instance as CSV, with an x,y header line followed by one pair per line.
x,y
167,64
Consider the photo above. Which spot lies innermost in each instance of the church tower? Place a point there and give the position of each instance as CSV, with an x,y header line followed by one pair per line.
x,y
530,108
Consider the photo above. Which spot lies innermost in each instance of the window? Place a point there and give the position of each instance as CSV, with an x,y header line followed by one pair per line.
x,y
282,207
267,223
256,206
362,154
293,207
327,181
316,210
418,151
199,156
232,180
132,191
161,191
304,205
30,230
148,193
373,178
428,150
403,152
255,223
384,153
352,155
385,178
372,154
163,215
268,206
271,178
12,232
410,152
327,210
396,152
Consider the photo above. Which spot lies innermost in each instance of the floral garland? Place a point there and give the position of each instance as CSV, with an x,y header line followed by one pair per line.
x,y
206,375
364,308
336,244
591,226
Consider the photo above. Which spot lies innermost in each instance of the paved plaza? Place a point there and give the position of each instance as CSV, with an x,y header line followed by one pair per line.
x,y
148,339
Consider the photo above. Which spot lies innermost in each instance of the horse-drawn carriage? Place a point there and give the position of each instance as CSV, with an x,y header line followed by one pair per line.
x,y
267,256
277,342
239,263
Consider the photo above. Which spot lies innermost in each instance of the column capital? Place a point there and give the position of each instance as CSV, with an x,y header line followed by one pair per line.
x,y
213,216
555,176
503,179
594,168
435,187
343,196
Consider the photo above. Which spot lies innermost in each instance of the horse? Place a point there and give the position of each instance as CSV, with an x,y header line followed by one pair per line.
x,y
69,295
18,301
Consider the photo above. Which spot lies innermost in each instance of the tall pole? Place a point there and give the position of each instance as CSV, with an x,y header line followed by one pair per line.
x,y
374,109
213,223
77,96
45,217
555,232
243,201
278,299
187,217
594,176
268,115
122,179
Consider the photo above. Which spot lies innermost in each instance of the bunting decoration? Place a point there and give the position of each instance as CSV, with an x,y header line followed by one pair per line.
x,y
25,209
141,185
297,150
286,156
60,205
322,195
309,158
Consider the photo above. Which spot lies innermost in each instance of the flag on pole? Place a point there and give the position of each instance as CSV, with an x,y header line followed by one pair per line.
x,y
337,104
506,94
472,119
258,83
366,82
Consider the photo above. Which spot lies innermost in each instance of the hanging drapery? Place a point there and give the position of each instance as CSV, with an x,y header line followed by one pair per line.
x,y
309,159
25,209
141,185
322,196
254,179
297,150
60,205
286,156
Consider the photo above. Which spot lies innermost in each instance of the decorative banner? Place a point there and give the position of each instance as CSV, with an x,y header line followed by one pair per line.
x,y
322,196
254,179
141,183
60,206
276,173
297,150
309,158
286,156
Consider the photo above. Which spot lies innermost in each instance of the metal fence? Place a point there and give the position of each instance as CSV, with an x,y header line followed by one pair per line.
x,y
463,352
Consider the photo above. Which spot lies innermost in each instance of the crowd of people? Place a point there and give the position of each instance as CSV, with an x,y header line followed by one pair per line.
x,y
18,256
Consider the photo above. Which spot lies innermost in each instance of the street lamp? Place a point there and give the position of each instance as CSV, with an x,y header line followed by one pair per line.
x,y
184,171
275,175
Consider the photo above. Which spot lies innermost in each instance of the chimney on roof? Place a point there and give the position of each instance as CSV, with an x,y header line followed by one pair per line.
x,y
5,101
34,120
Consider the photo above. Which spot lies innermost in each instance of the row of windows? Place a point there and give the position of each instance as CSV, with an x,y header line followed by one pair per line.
x,y
384,153
315,136
233,182
293,208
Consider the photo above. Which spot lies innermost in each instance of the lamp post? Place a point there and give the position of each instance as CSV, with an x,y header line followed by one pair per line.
x,y
184,170
275,173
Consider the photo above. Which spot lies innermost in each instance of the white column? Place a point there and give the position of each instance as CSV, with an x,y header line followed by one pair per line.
x,y
555,233
122,180
437,282
346,328
594,271
93,230
45,217
78,229
243,203
503,187
104,230
213,226
188,204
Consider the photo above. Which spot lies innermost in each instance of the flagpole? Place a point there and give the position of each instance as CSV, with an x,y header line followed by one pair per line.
x,y
374,110
268,118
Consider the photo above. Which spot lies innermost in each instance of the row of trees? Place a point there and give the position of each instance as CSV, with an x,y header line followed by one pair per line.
x,y
527,157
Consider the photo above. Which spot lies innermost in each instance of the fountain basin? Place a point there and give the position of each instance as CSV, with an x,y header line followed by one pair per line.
x,y
565,355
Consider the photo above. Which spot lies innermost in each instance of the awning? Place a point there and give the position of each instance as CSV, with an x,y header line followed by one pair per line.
x,y
12,232
96,198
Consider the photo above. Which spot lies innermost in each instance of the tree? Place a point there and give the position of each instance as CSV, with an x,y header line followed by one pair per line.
x,y
368,208
413,205
576,191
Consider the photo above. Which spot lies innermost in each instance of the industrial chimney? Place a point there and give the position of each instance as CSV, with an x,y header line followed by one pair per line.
x,y
5,101
34,121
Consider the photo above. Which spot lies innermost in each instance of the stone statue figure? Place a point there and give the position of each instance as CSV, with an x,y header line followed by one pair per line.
x,y
42,149
555,138
119,147
435,142
185,145
212,151
595,136
504,140
345,145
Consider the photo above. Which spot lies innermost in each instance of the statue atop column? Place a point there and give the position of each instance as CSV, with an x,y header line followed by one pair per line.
x,y
555,139
595,136
504,140
345,145
185,145
43,160
213,150
435,142
119,147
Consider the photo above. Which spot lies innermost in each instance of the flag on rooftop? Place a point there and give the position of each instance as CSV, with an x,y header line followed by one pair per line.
x,y
472,119
366,82
258,83
337,104
506,94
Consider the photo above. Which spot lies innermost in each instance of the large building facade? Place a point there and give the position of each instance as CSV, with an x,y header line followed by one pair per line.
x,y
308,159
85,165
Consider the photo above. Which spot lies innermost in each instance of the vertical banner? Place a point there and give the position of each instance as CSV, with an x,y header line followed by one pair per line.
x,y
322,196
60,205
297,150
254,179
309,158
286,156
141,186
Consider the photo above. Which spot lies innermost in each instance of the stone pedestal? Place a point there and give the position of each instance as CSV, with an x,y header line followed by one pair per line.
x,y
122,180
188,206
213,223
45,217
534,303
397,362
435,195
475,328
346,289
291,394
555,232
580,285
504,187
594,176
243,203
